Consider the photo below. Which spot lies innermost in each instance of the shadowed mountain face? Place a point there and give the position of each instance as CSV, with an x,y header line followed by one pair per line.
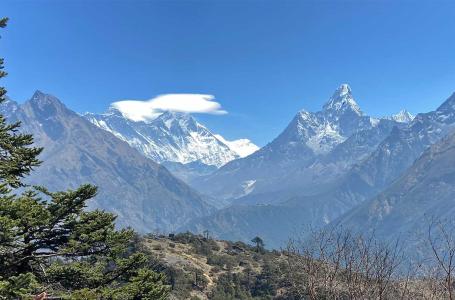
x,y
426,191
142,193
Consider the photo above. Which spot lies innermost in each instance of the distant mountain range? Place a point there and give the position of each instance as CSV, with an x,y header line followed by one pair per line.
x,y
144,195
176,140
334,166
314,150
415,187
327,164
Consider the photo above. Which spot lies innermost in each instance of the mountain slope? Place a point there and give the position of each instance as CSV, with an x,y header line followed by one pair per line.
x,y
275,224
425,191
399,151
142,193
390,159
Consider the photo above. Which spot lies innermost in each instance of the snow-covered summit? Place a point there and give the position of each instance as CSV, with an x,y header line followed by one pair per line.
x,y
342,101
178,120
339,118
172,137
243,147
403,116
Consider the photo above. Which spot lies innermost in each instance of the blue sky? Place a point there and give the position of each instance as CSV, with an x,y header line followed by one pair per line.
x,y
263,60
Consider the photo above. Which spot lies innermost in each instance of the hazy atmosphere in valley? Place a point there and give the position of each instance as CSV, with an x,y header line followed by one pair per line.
x,y
227,149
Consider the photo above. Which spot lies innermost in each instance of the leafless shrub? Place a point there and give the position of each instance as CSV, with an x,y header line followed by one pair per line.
x,y
339,264
441,239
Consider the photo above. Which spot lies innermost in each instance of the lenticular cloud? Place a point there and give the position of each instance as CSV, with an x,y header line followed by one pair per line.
x,y
138,110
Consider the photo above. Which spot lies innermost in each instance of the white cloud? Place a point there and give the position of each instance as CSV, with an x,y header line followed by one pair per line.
x,y
146,110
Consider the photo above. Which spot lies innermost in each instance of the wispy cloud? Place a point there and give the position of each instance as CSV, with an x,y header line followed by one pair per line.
x,y
146,110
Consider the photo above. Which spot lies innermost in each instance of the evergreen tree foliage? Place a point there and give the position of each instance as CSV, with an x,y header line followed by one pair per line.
x,y
50,243
259,243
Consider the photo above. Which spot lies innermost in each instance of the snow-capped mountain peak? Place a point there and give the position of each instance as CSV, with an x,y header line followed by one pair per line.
x,y
339,118
344,89
243,147
342,101
180,120
114,111
172,137
402,116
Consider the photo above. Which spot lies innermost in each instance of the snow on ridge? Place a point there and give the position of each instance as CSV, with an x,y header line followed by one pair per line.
x,y
321,131
342,100
243,147
171,137
403,116
325,139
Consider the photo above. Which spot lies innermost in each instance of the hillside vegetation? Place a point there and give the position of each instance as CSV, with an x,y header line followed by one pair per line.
x,y
198,267
332,265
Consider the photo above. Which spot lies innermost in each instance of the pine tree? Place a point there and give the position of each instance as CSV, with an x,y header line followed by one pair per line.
x,y
259,244
50,243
